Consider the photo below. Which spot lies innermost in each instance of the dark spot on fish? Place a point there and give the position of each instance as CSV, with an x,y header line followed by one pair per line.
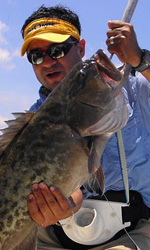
x,y
9,220
45,169
5,182
25,171
18,223
41,156
7,201
16,213
3,213
16,187
1,226
14,204
25,213
13,164
39,171
5,233
33,177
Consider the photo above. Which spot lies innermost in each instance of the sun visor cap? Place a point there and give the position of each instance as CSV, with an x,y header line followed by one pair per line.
x,y
52,30
51,37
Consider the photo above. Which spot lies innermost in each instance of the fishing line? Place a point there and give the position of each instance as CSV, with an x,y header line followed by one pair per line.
x,y
126,232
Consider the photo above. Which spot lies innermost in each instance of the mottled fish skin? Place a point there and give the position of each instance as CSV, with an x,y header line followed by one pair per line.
x,y
51,147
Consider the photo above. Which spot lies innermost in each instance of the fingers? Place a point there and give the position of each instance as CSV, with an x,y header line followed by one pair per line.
x,y
119,30
47,201
116,24
121,40
34,211
62,203
38,207
115,39
47,205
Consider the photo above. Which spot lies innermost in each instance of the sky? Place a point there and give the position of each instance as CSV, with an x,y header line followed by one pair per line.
x,y
18,84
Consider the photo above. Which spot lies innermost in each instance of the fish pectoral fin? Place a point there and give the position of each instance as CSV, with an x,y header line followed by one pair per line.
x,y
93,160
96,182
96,150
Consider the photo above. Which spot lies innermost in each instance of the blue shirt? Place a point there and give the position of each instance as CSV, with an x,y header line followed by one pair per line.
x,y
136,137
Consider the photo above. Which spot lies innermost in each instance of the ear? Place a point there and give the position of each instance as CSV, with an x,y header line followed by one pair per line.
x,y
81,46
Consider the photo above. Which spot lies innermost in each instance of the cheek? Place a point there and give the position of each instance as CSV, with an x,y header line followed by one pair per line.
x,y
36,70
72,58
71,61
38,74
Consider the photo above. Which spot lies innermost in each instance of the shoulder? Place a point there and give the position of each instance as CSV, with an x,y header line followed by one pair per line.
x,y
36,105
138,87
43,93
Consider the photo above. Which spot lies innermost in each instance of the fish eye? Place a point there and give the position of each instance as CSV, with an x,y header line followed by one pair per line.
x,y
82,73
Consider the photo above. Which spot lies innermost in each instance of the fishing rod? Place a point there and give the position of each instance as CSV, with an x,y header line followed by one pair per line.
x,y
127,15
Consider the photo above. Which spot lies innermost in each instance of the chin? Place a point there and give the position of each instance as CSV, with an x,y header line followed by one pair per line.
x,y
52,86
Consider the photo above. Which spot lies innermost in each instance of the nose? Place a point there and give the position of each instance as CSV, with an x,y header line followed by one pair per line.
x,y
48,61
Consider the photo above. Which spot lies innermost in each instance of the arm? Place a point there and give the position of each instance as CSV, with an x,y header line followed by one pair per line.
x,y
125,44
48,205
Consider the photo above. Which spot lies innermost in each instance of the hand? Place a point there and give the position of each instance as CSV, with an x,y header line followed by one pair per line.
x,y
125,44
48,205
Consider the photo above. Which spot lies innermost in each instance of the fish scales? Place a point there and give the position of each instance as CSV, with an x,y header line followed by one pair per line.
x,y
51,148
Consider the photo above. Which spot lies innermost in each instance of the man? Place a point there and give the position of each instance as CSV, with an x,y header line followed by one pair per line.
x,y
53,46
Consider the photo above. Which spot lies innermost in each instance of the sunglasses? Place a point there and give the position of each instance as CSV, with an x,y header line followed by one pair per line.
x,y
55,51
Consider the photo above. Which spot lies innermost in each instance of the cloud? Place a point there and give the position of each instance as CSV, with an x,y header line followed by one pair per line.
x,y
2,123
16,53
6,58
3,29
2,39
3,26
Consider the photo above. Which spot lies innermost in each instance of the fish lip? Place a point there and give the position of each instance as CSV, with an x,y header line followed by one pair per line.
x,y
110,73
106,67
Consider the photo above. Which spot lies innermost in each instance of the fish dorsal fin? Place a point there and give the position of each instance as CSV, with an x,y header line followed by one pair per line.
x,y
14,126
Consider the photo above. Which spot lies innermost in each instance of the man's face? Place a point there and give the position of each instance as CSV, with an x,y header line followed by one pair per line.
x,y
52,71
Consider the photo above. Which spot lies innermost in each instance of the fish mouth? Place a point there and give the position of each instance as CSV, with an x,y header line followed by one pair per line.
x,y
106,69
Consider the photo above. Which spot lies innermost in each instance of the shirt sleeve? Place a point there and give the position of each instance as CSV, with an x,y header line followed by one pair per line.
x,y
143,98
138,89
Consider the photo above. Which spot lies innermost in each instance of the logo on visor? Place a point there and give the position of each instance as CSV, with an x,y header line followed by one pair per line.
x,y
39,25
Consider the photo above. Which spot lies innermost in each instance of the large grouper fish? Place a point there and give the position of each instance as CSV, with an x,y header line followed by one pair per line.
x,y
60,144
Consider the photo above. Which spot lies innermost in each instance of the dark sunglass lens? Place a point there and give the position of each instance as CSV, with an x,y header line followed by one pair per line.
x,y
36,58
59,51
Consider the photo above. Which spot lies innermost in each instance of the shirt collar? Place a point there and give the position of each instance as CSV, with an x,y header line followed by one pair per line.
x,y
43,93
